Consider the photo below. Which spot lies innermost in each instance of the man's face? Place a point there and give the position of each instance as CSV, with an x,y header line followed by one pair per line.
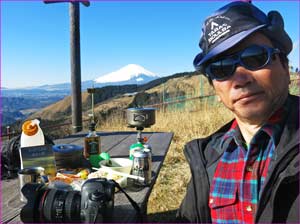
x,y
254,95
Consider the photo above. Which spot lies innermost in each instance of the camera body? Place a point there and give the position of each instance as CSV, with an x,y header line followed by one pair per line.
x,y
94,203
97,200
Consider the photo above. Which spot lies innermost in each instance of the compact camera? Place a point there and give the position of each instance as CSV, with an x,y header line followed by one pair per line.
x,y
94,203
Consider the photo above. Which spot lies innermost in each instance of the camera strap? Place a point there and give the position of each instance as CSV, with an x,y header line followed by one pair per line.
x,y
133,203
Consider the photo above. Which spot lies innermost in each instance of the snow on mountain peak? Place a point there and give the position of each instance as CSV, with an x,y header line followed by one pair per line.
x,y
129,72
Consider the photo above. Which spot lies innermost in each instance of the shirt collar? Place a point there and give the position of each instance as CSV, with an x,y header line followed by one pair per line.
x,y
272,129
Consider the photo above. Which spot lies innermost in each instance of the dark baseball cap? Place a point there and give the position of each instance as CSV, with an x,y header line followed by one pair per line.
x,y
233,23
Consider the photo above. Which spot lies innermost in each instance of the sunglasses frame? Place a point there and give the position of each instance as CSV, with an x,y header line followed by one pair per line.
x,y
236,59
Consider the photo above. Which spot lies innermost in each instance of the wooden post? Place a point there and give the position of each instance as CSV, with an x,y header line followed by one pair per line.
x,y
75,61
75,66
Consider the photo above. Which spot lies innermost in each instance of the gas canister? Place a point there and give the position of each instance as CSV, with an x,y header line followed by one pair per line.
x,y
142,166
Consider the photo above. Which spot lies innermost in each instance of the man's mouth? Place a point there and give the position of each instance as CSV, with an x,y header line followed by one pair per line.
x,y
248,97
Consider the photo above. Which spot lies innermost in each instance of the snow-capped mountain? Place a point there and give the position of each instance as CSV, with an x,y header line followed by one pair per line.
x,y
130,74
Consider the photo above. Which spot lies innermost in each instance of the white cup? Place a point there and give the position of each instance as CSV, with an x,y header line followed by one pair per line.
x,y
29,175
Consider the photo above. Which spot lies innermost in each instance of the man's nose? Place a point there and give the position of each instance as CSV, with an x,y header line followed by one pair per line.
x,y
242,77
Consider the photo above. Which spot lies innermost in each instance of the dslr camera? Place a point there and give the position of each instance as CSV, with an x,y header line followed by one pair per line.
x,y
94,203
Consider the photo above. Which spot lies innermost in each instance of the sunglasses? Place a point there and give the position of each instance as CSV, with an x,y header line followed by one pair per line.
x,y
252,58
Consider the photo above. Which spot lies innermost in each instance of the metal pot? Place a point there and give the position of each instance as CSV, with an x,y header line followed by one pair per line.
x,y
140,117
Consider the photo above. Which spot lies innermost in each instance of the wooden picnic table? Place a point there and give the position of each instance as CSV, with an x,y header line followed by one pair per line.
x,y
117,145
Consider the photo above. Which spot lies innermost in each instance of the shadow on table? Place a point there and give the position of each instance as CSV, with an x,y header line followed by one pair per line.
x,y
163,217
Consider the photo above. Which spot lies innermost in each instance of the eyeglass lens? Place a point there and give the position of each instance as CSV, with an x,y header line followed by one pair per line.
x,y
252,58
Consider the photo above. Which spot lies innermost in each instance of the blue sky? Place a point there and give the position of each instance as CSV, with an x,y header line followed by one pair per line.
x,y
160,36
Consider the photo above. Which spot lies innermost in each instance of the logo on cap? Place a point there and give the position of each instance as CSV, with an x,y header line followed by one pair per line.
x,y
218,28
213,24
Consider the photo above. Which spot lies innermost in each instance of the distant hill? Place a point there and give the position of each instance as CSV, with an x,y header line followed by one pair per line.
x,y
18,108
131,74
111,100
42,91
177,84
18,103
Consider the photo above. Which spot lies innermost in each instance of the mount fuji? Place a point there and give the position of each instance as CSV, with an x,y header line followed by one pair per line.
x,y
129,74
19,102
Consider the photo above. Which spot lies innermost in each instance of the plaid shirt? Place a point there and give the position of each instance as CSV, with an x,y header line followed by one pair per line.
x,y
242,170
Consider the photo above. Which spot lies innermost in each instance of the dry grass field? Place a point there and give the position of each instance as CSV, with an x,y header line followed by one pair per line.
x,y
170,186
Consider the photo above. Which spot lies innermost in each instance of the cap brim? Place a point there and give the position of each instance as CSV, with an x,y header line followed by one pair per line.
x,y
225,45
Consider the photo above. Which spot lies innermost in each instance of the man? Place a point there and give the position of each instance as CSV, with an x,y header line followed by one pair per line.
x,y
248,171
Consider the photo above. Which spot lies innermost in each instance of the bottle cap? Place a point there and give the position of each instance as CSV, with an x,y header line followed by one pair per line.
x,y
30,128
137,145
94,160
104,156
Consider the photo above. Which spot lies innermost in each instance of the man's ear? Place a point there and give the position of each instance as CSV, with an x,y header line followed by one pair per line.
x,y
219,98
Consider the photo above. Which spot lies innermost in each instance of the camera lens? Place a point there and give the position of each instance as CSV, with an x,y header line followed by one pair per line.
x,y
62,206
94,203
72,207
34,194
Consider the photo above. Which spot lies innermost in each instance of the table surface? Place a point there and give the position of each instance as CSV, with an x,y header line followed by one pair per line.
x,y
117,145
